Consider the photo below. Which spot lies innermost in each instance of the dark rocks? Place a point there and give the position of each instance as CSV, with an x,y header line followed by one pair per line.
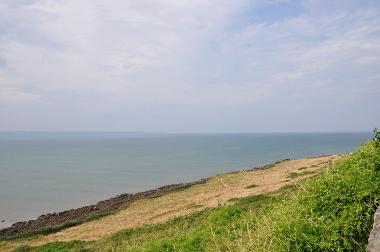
x,y
76,216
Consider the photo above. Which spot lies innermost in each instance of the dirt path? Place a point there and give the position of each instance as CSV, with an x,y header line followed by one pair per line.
x,y
217,190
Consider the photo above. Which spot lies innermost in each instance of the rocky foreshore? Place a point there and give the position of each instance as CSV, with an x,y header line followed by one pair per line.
x,y
76,216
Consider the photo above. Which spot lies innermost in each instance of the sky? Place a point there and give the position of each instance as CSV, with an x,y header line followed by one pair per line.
x,y
189,66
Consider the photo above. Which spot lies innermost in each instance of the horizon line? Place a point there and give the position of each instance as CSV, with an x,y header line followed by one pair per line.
x,y
178,133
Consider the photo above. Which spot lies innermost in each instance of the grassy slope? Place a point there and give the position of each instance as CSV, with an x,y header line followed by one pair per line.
x,y
330,212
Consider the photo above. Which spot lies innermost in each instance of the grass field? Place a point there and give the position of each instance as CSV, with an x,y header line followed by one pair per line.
x,y
330,211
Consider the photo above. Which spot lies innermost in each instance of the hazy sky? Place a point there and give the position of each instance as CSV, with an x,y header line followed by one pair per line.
x,y
189,66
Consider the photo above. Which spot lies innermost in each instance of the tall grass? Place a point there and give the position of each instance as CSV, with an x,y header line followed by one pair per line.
x,y
332,211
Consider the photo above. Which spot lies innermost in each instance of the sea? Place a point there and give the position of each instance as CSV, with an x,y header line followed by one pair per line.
x,y
45,172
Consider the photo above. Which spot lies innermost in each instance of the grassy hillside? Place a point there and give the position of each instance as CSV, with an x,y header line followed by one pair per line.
x,y
331,211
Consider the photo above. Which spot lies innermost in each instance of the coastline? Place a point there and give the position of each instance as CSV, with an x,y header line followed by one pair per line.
x,y
54,222
79,215
219,190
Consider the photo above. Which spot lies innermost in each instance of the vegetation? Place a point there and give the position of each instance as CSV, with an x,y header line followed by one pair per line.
x,y
376,137
251,186
298,174
332,211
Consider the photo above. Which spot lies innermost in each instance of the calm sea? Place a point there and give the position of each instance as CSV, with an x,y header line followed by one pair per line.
x,y
48,172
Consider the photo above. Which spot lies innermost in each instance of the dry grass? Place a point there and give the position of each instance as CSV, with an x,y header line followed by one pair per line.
x,y
218,190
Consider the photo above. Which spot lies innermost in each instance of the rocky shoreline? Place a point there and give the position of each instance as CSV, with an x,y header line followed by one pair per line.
x,y
76,216
53,222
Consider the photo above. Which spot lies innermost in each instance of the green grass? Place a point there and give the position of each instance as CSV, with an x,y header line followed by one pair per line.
x,y
335,210
302,168
251,186
298,174
332,211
